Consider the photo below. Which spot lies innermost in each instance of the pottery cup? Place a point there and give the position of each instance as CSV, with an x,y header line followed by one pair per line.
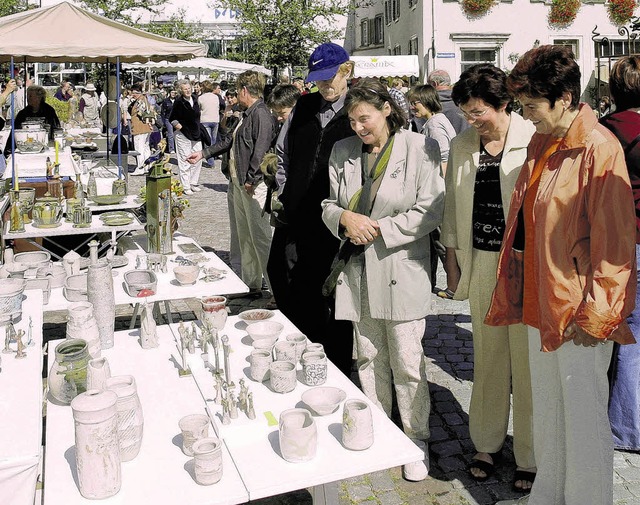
x,y
298,435
193,427
357,425
283,376
208,460
260,362
314,367
301,343
285,351
313,347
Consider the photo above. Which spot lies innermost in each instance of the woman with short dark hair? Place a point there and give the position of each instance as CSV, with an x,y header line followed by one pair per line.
x,y
565,270
386,196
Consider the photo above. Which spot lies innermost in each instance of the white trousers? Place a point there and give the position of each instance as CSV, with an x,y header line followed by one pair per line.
x,y
141,144
254,233
189,174
390,353
234,243
500,369
571,431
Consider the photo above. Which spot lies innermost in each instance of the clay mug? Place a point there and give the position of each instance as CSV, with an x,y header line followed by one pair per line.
x,y
283,376
300,340
194,427
285,351
208,460
260,361
298,435
313,347
357,425
314,367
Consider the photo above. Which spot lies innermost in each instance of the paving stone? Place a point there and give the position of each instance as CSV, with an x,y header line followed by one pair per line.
x,y
381,481
389,498
629,474
437,434
360,492
449,448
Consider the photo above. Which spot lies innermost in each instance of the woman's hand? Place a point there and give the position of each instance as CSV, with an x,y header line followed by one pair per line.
x,y
581,337
452,269
360,229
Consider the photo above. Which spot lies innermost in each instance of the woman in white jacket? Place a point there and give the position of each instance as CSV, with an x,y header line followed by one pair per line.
x,y
387,194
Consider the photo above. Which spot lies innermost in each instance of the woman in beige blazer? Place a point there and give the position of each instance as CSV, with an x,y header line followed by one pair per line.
x,y
484,164
387,194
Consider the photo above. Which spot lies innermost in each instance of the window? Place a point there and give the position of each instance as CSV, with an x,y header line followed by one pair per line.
x,y
395,8
413,45
570,43
364,32
387,12
378,30
397,50
470,56
613,48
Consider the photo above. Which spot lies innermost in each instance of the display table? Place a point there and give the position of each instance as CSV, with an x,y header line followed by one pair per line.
x,y
35,164
130,202
254,446
161,473
21,409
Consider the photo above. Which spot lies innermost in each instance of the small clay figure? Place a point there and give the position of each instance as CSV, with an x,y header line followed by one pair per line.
x,y
251,413
181,331
194,333
148,333
242,396
10,336
226,418
21,354
30,341
217,384
216,349
233,406
184,355
226,349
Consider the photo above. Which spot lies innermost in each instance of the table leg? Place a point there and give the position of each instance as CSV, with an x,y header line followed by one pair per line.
x,y
325,494
167,310
134,316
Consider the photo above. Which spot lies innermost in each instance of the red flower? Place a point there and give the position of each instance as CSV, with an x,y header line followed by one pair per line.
x,y
621,11
475,8
563,12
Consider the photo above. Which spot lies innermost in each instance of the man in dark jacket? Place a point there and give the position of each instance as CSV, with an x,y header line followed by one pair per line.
x,y
441,80
248,144
303,249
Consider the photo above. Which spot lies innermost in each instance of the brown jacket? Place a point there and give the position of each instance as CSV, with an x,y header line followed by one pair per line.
x,y
584,245
138,126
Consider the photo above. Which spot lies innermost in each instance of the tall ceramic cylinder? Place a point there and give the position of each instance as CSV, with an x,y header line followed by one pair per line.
x,y
82,324
97,453
298,435
130,419
68,374
100,294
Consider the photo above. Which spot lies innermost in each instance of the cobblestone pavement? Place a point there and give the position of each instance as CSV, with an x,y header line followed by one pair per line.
x,y
448,346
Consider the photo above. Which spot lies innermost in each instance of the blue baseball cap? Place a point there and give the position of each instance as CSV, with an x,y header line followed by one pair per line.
x,y
325,61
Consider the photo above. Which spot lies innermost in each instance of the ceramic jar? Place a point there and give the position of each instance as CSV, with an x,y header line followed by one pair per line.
x,y
298,435
260,361
47,212
313,347
100,294
193,427
214,311
98,371
97,456
130,419
68,374
282,376
82,324
357,425
208,460
285,351
314,367
300,340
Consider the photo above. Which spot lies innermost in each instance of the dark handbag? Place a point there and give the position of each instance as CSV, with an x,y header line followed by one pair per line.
x,y
124,145
205,138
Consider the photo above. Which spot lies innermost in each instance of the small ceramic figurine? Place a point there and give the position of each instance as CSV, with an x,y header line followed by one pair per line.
x,y
233,406
227,349
21,354
181,331
226,419
10,336
251,413
30,341
148,333
217,384
242,396
194,333
191,342
215,341
184,356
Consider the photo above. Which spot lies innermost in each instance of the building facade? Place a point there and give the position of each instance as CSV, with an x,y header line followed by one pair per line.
x,y
443,36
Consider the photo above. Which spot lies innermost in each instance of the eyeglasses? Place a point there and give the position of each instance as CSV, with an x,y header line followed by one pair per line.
x,y
472,115
414,103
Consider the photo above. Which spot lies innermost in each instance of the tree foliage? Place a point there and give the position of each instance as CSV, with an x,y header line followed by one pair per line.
x,y
126,11
176,28
8,7
283,32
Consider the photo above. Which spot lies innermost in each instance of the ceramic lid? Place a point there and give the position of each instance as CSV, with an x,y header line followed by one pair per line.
x,y
94,405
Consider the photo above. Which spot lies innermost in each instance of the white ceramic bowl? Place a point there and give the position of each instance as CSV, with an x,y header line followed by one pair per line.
x,y
264,329
324,400
33,258
265,344
255,315
186,274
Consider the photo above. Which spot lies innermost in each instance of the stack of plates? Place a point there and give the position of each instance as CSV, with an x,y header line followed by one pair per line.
x,y
117,218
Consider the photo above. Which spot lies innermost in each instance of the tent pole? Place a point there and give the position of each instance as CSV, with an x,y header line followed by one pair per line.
x,y
107,115
119,127
13,133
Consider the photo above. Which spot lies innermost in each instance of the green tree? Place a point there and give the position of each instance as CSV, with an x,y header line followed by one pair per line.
x,y
283,32
126,11
8,7
176,28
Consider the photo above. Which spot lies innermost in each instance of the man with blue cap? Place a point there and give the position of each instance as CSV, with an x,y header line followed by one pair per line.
x,y
303,249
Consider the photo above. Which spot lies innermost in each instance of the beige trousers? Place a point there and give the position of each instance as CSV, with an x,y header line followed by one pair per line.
x,y
189,174
501,368
390,353
573,440
254,233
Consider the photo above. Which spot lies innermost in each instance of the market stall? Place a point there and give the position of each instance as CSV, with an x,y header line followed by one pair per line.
x,y
386,66
197,65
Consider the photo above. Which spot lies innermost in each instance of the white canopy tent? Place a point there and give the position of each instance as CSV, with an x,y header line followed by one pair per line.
x,y
386,66
199,64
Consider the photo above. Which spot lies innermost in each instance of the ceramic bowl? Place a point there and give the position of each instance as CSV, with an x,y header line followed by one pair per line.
x,y
55,272
75,288
264,330
324,400
11,298
265,344
33,258
16,270
255,315
107,199
137,280
186,274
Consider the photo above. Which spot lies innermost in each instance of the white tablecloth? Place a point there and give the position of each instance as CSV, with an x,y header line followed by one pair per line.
x,y
21,410
35,165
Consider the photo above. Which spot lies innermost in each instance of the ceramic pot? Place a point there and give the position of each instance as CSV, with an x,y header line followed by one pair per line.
x,y
285,351
300,340
55,272
208,460
68,374
314,367
357,425
298,435
193,427
98,371
313,347
69,205
282,376
97,457
82,324
100,293
260,361
11,298
47,213
130,419
214,311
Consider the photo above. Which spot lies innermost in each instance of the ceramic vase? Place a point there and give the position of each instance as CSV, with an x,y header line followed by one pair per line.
x,y
260,361
193,427
282,376
357,425
98,371
100,294
214,312
130,420
298,435
68,374
314,367
82,324
208,460
300,340
96,437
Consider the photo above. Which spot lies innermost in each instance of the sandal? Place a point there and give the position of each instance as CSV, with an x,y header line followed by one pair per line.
x,y
523,475
446,294
484,466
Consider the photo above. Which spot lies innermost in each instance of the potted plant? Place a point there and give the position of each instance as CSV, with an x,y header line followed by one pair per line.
x,y
621,11
563,12
477,8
